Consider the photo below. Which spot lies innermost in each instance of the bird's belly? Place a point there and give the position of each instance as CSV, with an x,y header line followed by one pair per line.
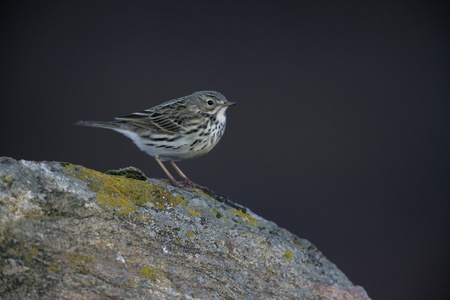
x,y
168,148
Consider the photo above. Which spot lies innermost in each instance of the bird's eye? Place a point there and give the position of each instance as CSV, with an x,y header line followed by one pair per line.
x,y
210,102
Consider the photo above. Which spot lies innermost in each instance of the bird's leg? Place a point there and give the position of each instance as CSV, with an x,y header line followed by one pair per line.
x,y
188,182
172,179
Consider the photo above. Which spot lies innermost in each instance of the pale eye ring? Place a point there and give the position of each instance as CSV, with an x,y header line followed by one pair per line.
x,y
210,102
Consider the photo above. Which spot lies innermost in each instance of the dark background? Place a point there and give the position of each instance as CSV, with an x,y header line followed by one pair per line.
x,y
341,132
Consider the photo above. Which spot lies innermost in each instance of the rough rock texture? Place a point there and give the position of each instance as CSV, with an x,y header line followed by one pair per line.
x,y
67,232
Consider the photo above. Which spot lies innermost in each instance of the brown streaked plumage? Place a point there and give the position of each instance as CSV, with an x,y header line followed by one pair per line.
x,y
179,129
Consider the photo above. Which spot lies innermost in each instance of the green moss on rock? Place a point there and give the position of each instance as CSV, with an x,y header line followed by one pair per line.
x,y
130,172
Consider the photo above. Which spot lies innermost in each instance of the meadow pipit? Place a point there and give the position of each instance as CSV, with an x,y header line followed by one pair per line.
x,y
178,129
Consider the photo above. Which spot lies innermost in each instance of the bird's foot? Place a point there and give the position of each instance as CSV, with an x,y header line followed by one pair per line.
x,y
195,185
186,185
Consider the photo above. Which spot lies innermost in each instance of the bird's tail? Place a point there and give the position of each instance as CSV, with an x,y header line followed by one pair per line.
x,y
110,125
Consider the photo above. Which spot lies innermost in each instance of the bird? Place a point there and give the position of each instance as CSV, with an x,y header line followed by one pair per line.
x,y
175,130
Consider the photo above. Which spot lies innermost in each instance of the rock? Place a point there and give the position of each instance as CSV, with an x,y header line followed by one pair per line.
x,y
68,232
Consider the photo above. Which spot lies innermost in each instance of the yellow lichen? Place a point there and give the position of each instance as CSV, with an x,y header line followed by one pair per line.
x,y
151,274
244,216
194,213
218,214
288,255
34,251
7,179
190,234
125,195
54,267
82,259
81,263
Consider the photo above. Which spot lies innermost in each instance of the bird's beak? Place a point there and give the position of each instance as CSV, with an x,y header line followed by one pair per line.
x,y
228,103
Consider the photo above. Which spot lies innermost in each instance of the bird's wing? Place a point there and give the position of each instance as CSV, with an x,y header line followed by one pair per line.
x,y
152,120
160,118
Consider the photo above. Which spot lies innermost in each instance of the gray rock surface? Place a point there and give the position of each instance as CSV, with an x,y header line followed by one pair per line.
x,y
67,232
